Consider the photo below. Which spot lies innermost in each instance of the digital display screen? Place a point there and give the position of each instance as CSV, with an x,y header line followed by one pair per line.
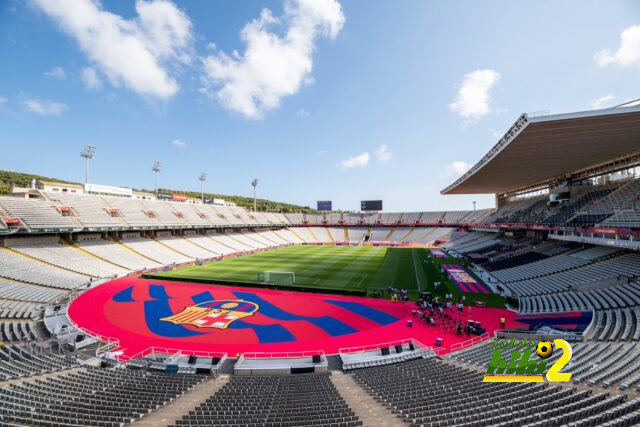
x,y
324,205
371,205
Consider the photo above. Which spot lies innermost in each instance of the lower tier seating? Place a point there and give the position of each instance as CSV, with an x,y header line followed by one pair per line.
x,y
434,393
91,397
297,400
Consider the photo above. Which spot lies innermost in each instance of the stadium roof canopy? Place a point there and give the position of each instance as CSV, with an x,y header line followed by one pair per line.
x,y
544,149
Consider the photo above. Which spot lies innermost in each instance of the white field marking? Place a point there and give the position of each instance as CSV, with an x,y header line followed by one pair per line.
x,y
413,254
363,277
316,281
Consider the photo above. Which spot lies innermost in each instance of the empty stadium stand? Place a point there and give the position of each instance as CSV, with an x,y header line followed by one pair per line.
x,y
299,400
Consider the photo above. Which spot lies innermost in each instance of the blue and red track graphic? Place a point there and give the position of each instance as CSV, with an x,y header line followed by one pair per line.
x,y
193,317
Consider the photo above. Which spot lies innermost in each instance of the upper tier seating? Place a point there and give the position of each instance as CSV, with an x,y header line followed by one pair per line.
x,y
565,211
36,214
90,210
625,197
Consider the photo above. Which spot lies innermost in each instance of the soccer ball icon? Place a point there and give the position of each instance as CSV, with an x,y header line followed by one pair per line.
x,y
544,349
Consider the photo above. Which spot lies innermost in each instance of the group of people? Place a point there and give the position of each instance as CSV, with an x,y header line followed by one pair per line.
x,y
398,294
394,294
437,312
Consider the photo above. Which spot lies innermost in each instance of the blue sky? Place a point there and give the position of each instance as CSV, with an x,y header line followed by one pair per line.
x,y
320,100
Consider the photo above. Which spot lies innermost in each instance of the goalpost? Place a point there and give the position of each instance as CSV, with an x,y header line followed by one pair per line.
x,y
280,277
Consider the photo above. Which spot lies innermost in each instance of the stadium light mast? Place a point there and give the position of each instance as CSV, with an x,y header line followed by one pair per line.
x,y
202,178
254,184
156,171
474,205
88,153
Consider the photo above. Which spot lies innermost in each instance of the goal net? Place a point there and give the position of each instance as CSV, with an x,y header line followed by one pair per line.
x,y
280,277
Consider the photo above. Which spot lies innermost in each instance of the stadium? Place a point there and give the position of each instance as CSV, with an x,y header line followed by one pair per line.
x,y
124,306
168,298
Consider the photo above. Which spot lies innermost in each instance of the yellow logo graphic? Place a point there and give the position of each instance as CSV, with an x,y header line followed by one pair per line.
x,y
544,349
214,314
525,369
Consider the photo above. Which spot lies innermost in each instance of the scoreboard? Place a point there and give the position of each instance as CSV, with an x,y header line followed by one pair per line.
x,y
371,205
324,205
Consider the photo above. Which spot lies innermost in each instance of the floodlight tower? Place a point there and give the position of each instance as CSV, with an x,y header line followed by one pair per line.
x,y
202,178
254,184
474,205
88,153
156,170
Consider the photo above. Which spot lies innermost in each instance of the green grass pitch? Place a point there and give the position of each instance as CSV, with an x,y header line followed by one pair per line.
x,y
335,267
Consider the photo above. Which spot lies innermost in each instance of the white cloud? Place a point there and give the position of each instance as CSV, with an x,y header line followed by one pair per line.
x,y
3,100
359,161
179,144
275,63
134,53
90,78
45,108
56,73
457,167
602,102
628,54
473,100
382,153
302,113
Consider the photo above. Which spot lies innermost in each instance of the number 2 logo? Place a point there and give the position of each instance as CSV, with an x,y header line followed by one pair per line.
x,y
554,374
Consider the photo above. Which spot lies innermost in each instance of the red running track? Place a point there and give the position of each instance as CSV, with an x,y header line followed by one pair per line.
x,y
140,314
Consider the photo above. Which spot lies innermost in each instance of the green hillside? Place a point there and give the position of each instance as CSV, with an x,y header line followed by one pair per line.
x,y
8,178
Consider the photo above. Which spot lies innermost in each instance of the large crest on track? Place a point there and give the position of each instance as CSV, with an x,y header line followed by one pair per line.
x,y
214,314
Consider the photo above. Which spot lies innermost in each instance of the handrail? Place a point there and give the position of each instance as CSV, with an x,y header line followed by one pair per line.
x,y
282,354
378,346
468,343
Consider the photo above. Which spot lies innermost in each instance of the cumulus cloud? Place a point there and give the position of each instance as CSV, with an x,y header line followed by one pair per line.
x,y
359,161
135,53
44,108
90,78
457,167
179,144
602,102
382,153
473,100
277,59
628,54
56,73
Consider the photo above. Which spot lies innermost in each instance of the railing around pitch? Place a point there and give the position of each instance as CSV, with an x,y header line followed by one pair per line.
x,y
378,346
282,355
274,361
173,352
468,343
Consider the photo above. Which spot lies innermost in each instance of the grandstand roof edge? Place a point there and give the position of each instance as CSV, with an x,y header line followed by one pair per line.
x,y
469,183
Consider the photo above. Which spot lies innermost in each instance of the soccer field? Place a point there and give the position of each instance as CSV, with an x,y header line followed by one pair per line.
x,y
325,267
342,268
